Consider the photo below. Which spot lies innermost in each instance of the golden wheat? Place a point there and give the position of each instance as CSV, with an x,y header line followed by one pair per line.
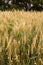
x,y
15,28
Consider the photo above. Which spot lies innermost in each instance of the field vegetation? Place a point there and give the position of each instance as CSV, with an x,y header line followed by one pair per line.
x,y
21,38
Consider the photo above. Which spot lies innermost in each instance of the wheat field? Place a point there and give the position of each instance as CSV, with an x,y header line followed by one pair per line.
x,y
21,38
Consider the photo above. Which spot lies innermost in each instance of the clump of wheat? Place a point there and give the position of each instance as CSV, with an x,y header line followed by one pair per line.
x,y
21,38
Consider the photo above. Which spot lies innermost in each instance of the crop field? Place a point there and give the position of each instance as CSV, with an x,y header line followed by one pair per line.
x,y
21,38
